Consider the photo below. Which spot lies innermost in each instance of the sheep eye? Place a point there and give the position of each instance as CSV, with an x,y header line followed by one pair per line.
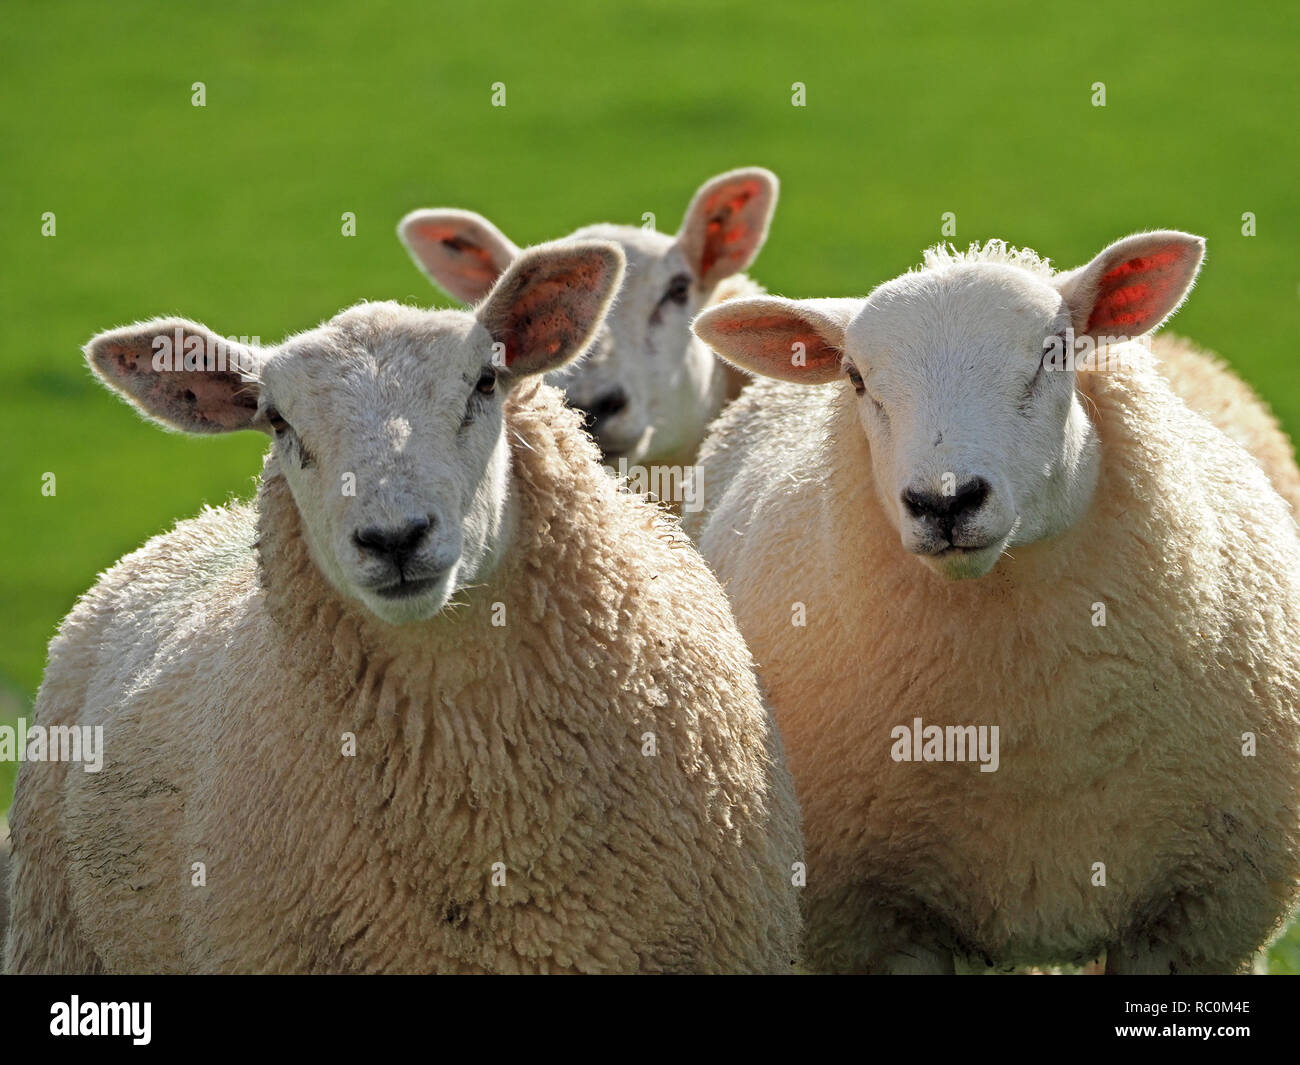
x,y
485,386
856,378
679,289
278,424
1032,386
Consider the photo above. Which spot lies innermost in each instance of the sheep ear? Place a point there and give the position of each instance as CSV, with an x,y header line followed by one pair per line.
x,y
460,251
726,223
792,340
180,374
549,304
1134,285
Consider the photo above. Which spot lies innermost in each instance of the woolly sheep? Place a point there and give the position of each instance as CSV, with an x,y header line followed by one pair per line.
x,y
482,712
648,387
1134,634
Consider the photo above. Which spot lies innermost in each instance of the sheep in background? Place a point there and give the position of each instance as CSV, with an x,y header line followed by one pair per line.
x,y
1129,622
1209,386
441,700
648,387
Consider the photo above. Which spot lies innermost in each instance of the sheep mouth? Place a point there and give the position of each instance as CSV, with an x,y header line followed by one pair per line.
x,y
631,448
406,589
955,550
962,562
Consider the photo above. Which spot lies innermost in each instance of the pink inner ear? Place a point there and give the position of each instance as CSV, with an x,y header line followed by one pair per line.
x,y
723,211
1136,294
216,399
469,259
778,334
545,314
202,399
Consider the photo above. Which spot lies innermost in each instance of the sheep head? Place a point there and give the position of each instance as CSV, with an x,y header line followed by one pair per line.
x,y
964,374
387,422
648,388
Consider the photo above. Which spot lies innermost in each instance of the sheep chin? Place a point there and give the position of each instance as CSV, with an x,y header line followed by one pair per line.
x,y
422,605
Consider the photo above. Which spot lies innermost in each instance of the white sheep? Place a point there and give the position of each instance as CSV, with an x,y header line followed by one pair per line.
x,y
1125,670
648,387
441,699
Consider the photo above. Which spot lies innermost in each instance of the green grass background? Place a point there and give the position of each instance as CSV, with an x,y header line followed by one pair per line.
x,y
230,213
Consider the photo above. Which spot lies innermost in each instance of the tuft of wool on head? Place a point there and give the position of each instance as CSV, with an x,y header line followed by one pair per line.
x,y
991,251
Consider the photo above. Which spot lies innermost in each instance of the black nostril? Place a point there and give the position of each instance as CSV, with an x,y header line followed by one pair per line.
x,y
946,508
371,539
921,504
970,496
414,533
606,406
395,543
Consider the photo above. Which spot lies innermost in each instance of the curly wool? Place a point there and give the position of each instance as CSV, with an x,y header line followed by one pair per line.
x,y
229,676
1121,743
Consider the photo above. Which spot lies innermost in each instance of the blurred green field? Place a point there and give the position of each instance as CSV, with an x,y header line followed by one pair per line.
x,y
230,213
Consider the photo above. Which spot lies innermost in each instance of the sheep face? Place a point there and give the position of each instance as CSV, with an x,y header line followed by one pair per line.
x,y
975,445
388,427
964,378
648,387
387,422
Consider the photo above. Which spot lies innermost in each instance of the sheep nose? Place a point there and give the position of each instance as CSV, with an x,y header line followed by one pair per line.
x,y
946,510
394,544
602,409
